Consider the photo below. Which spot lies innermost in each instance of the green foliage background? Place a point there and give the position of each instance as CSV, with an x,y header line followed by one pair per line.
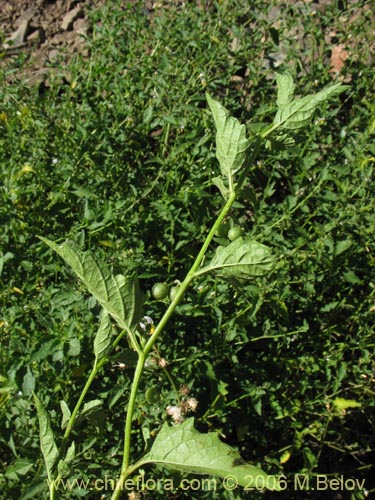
x,y
120,159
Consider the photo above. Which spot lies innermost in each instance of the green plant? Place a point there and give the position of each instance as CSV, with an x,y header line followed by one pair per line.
x,y
222,230
179,446
160,291
234,233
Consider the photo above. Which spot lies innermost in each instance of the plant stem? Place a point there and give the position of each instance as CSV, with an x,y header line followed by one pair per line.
x,y
149,345
97,366
125,469
73,416
189,277
130,409
52,489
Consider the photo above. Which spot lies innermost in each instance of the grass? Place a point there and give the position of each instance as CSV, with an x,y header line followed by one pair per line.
x,y
120,159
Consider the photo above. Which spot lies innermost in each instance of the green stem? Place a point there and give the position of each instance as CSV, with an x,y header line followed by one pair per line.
x,y
73,416
52,489
171,381
189,277
126,470
130,410
97,366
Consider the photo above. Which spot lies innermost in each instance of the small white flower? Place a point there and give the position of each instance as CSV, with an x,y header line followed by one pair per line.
x,y
146,323
192,404
175,413
162,363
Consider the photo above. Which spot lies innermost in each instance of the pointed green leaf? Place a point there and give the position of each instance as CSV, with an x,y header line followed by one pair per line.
x,y
28,384
70,453
103,338
297,113
20,467
285,88
341,404
183,448
90,408
219,183
119,296
240,261
342,246
38,490
65,414
231,142
63,468
47,441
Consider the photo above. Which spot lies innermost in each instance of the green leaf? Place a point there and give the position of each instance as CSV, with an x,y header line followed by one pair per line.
x,y
297,113
74,347
103,338
20,467
119,296
65,414
4,258
240,261
352,278
341,404
70,453
47,441
38,490
185,449
28,383
231,142
342,246
90,408
63,466
285,88
219,183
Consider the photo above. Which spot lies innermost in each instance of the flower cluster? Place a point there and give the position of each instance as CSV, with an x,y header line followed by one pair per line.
x,y
178,412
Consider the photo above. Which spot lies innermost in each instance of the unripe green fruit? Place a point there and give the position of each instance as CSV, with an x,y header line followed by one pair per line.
x,y
160,291
222,230
234,233
152,395
173,292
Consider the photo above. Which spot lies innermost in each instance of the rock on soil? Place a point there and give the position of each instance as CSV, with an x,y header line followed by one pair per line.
x,y
45,30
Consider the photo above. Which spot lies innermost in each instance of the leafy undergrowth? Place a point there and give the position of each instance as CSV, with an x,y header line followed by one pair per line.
x,y
120,160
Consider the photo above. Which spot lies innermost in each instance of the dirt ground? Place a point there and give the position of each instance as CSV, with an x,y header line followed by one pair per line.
x,y
43,30
46,31
49,30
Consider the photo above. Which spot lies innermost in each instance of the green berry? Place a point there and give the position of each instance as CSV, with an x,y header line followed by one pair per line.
x,y
234,233
160,291
152,395
222,230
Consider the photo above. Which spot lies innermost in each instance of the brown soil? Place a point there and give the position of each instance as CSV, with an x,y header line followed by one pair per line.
x,y
50,31
44,31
